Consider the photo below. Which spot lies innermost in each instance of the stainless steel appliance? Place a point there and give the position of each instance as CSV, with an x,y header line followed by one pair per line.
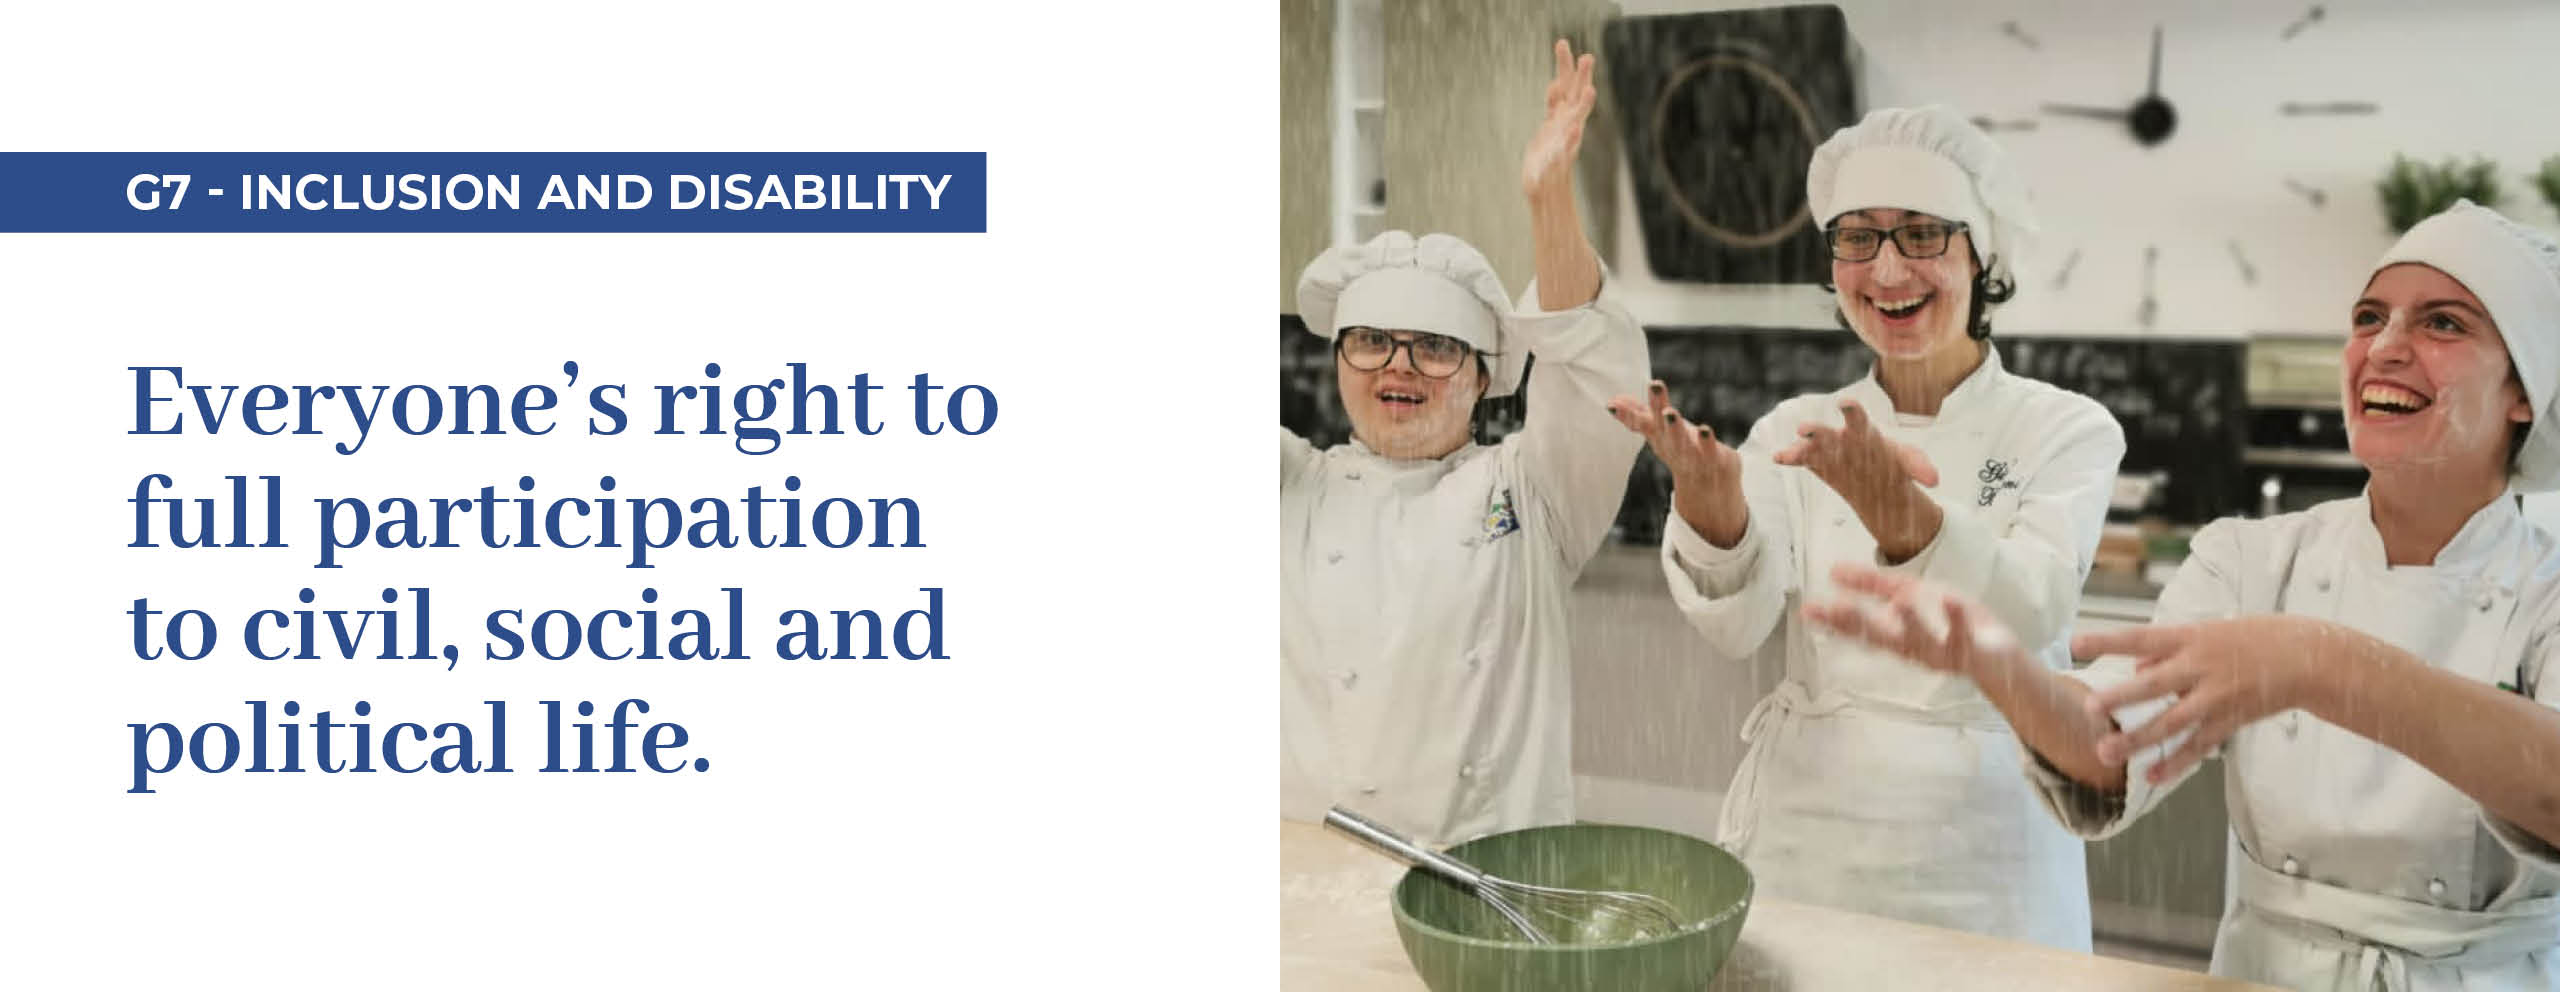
x,y
2297,453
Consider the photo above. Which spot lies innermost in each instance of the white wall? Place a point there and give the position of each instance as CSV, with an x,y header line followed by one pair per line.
x,y
2453,78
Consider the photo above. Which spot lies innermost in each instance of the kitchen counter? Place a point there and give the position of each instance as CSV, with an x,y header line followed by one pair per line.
x,y
1337,935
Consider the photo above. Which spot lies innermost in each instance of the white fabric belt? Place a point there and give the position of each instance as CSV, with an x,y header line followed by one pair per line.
x,y
1785,707
2385,931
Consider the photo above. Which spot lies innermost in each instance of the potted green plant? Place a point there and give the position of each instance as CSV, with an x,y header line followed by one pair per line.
x,y
2414,191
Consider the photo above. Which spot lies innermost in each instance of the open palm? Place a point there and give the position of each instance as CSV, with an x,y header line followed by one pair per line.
x,y
1548,162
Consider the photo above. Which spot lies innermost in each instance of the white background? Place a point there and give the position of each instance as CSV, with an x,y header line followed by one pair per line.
x,y
1081,797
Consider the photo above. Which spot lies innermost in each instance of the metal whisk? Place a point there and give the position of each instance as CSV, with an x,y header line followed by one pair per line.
x,y
1623,915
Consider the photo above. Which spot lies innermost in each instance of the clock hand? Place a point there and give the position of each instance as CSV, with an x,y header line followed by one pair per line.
x,y
2153,118
2306,21
2012,29
2317,198
2154,92
2248,272
2076,110
2334,107
2020,124
2149,314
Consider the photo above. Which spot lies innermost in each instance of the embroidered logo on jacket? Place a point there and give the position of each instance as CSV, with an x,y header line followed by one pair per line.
x,y
1995,478
1498,518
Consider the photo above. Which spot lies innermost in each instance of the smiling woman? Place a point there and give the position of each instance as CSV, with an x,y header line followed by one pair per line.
x,y
2375,672
2428,381
1424,654
1417,408
1871,786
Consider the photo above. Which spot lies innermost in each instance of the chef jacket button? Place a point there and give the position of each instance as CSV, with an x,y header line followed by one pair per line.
x,y
1469,771
2484,602
2435,888
2323,584
1368,790
1352,476
1350,678
1333,559
2292,867
1475,661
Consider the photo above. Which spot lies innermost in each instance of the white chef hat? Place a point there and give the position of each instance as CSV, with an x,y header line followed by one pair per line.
x,y
1929,159
1435,284
2515,271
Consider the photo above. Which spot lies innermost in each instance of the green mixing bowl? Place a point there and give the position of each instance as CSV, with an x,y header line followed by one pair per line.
x,y
1458,944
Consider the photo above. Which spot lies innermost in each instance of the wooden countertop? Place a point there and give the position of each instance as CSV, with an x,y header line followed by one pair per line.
x,y
1336,935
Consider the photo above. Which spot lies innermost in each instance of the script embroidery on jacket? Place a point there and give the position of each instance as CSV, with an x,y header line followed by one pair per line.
x,y
1995,478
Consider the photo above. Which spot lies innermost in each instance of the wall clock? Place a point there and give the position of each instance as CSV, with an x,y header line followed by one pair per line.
x,y
2139,121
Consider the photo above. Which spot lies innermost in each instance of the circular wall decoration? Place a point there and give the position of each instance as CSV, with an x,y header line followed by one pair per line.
x,y
1734,124
1721,113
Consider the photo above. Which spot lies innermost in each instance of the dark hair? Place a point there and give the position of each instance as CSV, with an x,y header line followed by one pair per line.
x,y
1986,292
1479,416
2515,441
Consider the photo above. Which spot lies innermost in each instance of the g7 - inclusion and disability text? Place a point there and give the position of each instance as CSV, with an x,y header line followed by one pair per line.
x,y
508,192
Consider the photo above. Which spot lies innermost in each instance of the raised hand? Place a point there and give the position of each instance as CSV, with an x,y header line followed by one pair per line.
x,y
1706,475
1874,475
1547,165
2226,674
1924,623
1941,629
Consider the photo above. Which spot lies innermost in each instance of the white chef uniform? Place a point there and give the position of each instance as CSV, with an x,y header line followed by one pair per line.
x,y
2358,868
1425,662
1873,784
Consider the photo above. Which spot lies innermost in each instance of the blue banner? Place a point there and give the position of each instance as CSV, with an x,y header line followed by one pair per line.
x,y
493,192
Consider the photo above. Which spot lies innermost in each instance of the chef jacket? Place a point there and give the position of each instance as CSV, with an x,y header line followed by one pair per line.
x,y
1425,657
2358,868
1872,783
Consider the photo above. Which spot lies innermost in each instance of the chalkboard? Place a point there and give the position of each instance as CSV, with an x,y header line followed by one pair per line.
x,y
2183,406
2182,403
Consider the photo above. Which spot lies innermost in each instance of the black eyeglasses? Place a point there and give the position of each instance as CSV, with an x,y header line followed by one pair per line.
x,y
1927,239
1369,349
